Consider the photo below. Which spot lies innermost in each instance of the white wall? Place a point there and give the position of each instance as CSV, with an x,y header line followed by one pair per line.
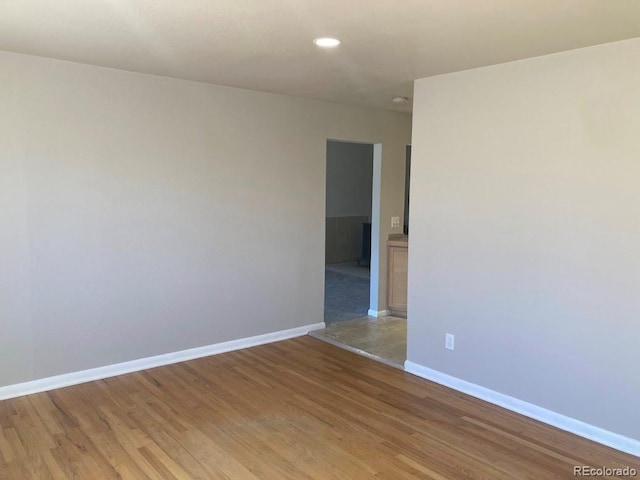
x,y
525,231
349,179
141,215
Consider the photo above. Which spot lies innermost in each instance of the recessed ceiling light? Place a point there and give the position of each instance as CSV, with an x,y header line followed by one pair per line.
x,y
327,42
399,99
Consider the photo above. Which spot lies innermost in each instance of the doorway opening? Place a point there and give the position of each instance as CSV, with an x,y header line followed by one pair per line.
x,y
357,314
348,230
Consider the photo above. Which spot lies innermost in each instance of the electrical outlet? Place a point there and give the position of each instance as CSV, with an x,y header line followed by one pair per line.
x,y
449,340
395,222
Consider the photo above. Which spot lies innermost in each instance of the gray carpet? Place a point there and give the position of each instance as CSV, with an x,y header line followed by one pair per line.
x,y
345,297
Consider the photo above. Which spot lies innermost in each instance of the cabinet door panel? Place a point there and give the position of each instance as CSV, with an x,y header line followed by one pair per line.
x,y
398,266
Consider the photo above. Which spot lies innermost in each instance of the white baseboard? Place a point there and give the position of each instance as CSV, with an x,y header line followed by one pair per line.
x,y
582,429
379,313
74,378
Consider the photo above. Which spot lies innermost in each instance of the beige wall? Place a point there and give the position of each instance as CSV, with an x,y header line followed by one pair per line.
x,y
349,179
141,215
525,231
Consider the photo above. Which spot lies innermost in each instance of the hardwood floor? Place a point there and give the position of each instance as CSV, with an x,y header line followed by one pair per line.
x,y
299,409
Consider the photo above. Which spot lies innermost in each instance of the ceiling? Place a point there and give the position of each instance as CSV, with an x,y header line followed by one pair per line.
x,y
267,44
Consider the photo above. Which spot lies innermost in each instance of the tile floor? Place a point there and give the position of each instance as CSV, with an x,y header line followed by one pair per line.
x,y
384,339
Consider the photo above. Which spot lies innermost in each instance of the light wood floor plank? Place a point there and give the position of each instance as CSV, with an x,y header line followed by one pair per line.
x,y
297,409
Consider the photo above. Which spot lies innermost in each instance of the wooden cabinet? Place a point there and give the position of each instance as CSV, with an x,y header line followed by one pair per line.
x,y
397,265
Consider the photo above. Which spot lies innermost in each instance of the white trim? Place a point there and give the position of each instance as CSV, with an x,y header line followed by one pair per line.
x,y
582,429
378,313
68,379
378,252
